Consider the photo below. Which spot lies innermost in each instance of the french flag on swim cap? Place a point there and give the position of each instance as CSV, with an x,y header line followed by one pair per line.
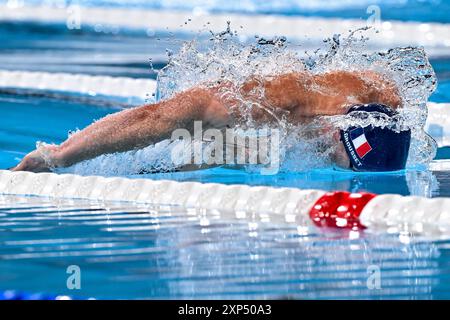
x,y
359,140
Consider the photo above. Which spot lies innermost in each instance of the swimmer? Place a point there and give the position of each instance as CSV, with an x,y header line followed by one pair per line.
x,y
302,96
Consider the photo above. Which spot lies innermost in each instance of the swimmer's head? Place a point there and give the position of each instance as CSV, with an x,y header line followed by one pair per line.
x,y
375,148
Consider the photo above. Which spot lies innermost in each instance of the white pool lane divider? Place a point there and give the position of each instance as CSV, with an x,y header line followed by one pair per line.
x,y
430,35
272,204
84,84
383,213
438,121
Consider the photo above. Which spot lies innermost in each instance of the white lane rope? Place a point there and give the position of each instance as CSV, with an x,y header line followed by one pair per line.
x,y
384,213
241,201
84,84
416,215
430,35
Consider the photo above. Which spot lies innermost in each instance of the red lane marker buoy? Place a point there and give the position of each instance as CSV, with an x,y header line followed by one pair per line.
x,y
340,209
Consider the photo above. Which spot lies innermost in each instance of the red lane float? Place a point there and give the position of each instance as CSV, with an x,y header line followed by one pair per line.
x,y
340,209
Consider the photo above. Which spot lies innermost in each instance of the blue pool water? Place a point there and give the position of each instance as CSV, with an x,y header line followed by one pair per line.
x,y
134,251
129,251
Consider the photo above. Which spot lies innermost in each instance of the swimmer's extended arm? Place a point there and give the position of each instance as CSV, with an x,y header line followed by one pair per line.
x,y
131,129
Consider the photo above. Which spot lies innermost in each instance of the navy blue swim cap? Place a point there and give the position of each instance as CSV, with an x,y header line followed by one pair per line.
x,y
374,148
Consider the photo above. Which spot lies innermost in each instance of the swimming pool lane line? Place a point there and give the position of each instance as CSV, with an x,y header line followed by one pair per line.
x,y
438,121
312,28
381,213
84,84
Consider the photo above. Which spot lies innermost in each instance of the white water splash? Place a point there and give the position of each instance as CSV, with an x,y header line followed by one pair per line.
x,y
225,58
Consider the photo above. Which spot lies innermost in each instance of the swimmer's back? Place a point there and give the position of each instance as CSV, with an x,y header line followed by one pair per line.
x,y
307,95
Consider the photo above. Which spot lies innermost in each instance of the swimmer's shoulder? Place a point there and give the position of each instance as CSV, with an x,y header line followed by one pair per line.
x,y
381,88
366,86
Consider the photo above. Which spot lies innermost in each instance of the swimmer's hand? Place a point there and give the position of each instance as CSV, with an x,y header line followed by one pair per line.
x,y
33,162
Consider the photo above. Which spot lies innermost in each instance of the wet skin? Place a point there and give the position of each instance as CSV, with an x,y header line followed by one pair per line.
x,y
299,96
